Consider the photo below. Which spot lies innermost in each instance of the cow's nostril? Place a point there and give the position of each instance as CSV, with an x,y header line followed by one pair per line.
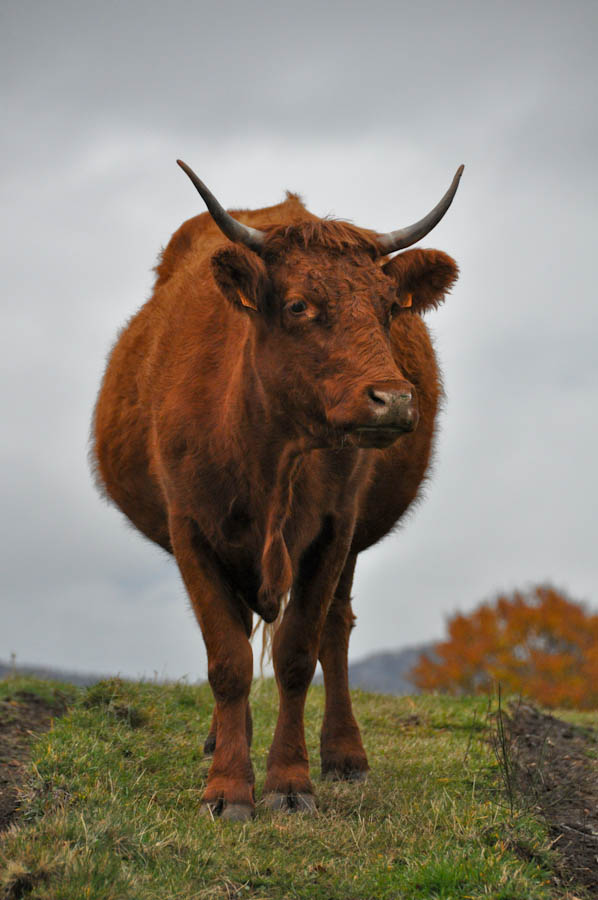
x,y
377,398
391,406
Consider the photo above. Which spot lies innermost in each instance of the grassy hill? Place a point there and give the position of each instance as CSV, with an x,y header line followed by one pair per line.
x,y
110,807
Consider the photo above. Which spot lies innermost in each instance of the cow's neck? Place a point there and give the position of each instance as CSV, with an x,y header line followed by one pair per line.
x,y
256,438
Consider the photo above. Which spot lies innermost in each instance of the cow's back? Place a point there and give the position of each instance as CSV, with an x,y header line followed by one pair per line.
x,y
200,236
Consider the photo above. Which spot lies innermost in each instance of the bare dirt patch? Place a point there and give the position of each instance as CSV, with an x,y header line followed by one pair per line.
x,y
554,767
23,716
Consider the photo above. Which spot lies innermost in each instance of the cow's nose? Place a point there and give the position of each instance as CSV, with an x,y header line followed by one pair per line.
x,y
393,407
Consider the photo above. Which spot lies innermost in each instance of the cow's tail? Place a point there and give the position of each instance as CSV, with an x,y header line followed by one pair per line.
x,y
268,630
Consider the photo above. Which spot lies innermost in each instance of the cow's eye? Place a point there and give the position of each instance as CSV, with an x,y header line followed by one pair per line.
x,y
298,307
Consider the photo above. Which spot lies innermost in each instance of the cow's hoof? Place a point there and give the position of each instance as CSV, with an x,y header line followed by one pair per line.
x,y
275,801
211,810
305,803
209,745
237,812
345,775
230,812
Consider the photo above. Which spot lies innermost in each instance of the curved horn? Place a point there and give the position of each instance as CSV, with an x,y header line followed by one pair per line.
x,y
404,237
234,231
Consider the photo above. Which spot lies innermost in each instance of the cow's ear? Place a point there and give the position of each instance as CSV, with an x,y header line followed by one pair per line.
x,y
242,277
422,277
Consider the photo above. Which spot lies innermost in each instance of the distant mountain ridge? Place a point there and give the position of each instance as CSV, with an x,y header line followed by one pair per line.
x,y
386,672
47,673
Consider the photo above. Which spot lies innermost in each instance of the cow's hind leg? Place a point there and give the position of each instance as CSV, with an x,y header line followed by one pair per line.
x,y
341,748
229,791
295,652
210,741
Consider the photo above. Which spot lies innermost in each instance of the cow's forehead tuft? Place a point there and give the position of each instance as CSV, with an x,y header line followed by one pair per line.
x,y
320,234
330,276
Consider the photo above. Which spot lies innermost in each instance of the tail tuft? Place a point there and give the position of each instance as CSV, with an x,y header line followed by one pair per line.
x,y
268,630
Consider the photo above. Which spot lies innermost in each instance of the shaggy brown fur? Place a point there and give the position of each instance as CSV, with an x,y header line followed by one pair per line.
x,y
244,424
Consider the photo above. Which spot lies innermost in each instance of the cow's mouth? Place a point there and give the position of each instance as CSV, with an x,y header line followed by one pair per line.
x,y
376,437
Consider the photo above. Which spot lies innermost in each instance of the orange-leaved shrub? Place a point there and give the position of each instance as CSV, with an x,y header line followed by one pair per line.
x,y
538,643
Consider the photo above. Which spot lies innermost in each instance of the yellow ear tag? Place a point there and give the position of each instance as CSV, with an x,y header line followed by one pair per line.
x,y
245,301
407,301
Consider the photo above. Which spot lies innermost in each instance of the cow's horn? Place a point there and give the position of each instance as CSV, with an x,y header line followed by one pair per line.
x,y
404,237
235,231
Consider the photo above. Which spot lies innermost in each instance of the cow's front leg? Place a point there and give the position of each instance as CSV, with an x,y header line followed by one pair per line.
x,y
224,624
295,653
341,748
210,741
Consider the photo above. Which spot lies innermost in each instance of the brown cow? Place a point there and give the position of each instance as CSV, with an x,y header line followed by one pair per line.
x,y
266,416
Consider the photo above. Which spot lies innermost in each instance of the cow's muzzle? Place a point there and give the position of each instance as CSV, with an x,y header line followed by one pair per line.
x,y
379,415
392,407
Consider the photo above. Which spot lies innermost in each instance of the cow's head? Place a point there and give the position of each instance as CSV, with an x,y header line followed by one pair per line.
x,y
323,298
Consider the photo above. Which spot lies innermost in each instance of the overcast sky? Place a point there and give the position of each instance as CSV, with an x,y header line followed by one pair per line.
x,y
366,109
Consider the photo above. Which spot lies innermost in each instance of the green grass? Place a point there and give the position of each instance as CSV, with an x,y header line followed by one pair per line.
x,y
111,810
53,692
